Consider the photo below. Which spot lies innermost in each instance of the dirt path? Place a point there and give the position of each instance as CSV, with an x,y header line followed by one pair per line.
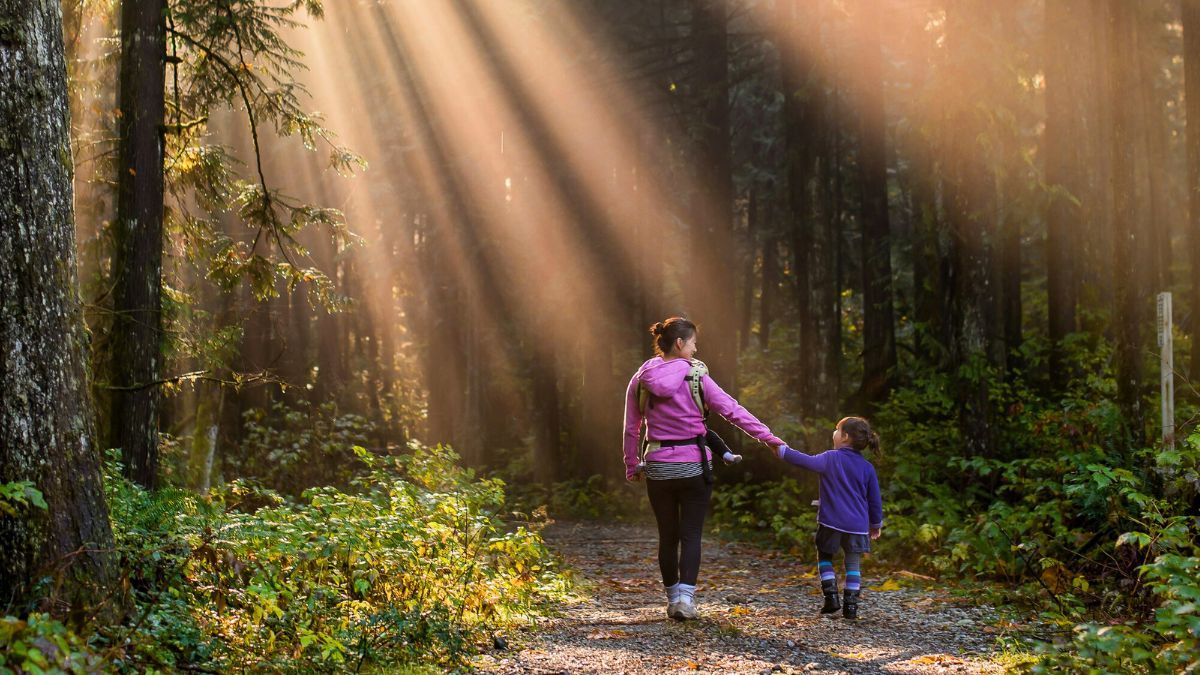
x,y
759,614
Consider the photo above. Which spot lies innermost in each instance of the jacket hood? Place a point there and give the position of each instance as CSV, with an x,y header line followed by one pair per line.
x,y
663,378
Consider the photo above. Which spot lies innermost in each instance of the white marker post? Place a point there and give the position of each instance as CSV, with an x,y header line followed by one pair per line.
x,y
1167,369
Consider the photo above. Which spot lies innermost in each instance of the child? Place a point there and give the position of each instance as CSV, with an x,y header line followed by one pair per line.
x,y
850,514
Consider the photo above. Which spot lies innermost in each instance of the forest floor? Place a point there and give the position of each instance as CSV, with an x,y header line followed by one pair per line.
x,y
758,615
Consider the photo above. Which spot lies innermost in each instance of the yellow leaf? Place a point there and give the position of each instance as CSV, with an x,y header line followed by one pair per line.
x,y
889,585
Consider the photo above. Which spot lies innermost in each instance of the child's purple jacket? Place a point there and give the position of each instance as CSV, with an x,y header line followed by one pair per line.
x,y
671,414
850,499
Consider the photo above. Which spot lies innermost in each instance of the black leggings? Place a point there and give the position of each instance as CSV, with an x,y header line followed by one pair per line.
x,y
680,505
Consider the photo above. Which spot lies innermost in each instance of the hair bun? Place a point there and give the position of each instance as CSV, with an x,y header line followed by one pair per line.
x,y
658,328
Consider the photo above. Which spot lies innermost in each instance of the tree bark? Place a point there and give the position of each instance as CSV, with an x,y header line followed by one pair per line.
x,y
1063,174
1128,294
46,429
972,306
879,330
803,110
1191,66
138,238
712,211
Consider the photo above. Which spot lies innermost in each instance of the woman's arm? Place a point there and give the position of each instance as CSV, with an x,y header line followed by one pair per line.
x,y
633,429
724,405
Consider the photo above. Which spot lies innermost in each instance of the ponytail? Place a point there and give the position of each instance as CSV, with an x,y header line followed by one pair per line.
x,y
862,437
666,332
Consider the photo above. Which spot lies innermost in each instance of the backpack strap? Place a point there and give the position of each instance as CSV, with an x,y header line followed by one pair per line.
x,y
695,380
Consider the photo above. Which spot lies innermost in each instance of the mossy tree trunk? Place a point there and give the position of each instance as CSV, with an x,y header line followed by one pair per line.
x,y
46,429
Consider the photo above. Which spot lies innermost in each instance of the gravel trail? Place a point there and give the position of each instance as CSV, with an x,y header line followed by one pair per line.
x,y
758,615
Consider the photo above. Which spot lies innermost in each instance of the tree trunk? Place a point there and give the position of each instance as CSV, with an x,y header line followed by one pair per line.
x,y
746,313
1191,65
1063,174
972,306
714,292
802,109
1128,295
138,239
46,431
879,331
1155,261
770,287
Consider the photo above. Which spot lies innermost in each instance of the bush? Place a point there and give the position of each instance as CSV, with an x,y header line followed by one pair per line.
x,y
412,565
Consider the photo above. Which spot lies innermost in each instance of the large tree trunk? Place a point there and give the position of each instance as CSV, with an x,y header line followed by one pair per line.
x,y
1063,174
1191,65
46,432
714,292
802,112
1128,296
972,307
879,331
138,235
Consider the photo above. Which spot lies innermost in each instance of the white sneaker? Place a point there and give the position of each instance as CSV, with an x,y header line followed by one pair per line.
x,y
686,610
673,610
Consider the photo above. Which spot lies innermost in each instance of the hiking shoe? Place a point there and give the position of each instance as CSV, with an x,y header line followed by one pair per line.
x,y
831,602
850,605
686,610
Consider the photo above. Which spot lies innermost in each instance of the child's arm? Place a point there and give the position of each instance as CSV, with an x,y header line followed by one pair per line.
x,y
815,463
874,504
633,428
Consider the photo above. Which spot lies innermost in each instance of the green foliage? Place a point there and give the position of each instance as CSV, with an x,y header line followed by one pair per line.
x,y
1170,642
297,445
18,495
41,644
780,511
412,565
235,55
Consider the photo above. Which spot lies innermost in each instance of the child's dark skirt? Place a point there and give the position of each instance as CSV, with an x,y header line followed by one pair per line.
x,y
831,541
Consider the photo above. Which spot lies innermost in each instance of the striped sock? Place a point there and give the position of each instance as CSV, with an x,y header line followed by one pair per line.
x,y
853,572
825,569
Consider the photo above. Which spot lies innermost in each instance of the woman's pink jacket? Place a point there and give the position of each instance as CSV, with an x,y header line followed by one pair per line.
x,y
671,413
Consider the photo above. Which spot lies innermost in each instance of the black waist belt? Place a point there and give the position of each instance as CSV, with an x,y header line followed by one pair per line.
x,y
678,441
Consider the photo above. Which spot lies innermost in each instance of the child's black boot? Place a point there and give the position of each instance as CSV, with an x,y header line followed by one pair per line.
x,y
829,588
850,605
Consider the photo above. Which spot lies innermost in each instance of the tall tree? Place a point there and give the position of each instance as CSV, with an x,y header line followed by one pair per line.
x,y
712,211
813,248
879,330
1128,296
138,239
973,303
1060,143
1191,82
46,432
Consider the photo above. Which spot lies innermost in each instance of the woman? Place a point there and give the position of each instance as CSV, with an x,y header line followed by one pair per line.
x,y
677,466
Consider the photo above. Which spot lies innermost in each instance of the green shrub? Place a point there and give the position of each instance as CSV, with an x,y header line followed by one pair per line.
x,y
412,565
